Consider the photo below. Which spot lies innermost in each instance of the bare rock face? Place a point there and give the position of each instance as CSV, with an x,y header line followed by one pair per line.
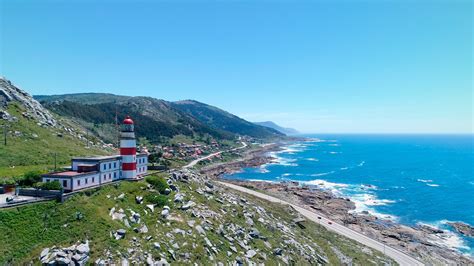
x,y
11,93
463,228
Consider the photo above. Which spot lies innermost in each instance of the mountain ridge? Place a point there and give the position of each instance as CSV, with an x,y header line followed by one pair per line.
x,y
273,125
187,117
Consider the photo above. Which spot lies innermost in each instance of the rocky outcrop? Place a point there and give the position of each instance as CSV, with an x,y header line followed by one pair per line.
x,y
74,255
33,109
463,228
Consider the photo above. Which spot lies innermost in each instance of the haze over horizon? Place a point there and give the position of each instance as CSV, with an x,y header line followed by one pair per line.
x,y
325,67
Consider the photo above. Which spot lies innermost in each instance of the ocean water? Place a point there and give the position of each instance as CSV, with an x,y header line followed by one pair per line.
x,y
412,179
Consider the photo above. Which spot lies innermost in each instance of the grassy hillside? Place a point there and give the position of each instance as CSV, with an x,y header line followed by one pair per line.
x,y
29,229
30,146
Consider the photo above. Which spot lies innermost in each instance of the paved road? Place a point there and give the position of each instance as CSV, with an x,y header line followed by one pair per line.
x,y
400,257
193,163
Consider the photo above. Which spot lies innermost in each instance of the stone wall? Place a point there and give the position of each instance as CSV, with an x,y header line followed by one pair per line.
x,y
41,193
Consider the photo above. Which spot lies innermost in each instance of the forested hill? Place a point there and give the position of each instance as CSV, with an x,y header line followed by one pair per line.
x,y
154,118
221,119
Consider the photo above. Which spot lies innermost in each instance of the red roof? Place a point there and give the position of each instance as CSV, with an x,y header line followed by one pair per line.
x,y
128,120
66,173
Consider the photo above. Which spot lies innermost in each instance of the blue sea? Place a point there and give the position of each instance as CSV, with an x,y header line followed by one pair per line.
x,y
412,179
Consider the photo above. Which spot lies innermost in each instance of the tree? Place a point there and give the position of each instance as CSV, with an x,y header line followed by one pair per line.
x,y
30,178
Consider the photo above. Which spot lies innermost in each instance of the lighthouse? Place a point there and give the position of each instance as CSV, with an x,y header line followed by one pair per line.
x,y
128,149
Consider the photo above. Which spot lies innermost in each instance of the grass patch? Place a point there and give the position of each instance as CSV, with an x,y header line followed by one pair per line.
x,y
33,147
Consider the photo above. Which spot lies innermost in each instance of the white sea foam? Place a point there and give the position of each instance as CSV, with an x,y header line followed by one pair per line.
x,y
323,184
312,159
261,180
334,152
448,239
286,174
359,194
334,145
322,174
424,180
433,185
315,140
344,168
361,164
281,160
371,200
263,170
366,187
363,203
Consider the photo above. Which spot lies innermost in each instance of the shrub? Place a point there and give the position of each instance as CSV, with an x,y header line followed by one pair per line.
x,y
30,178
159,183
157,199
53,185
7,181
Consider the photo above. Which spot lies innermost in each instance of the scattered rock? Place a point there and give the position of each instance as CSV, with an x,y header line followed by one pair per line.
x,y
250,253
278,251
178,198
75,255
151,207
139,199
188,205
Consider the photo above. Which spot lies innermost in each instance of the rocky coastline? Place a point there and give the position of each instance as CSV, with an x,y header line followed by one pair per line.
x,y
422,241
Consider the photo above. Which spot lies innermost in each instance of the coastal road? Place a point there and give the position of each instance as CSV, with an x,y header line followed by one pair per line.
x,y
193,163
397,255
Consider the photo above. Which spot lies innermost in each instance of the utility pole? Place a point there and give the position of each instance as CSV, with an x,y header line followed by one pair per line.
x,y
5,134
117,132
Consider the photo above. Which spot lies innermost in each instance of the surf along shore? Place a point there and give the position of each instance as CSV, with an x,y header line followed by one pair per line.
x,y
423,242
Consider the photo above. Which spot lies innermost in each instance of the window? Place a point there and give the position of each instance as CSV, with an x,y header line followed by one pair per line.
x,y
115,165
115,174
110,165
78,182
86,181
110,176
64,183
47,180
93,179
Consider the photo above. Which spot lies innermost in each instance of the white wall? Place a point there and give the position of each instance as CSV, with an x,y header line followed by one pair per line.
x,y
79,182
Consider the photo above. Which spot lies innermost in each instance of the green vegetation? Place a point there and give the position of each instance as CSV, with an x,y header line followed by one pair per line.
x,y
27,230
158,182
30,178
54,185
158,200
155,119
223,120
32,147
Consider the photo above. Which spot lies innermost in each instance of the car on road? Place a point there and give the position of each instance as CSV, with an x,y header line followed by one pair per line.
x,y
329,222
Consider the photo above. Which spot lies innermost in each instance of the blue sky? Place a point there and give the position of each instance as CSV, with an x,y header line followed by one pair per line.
x,y
319,66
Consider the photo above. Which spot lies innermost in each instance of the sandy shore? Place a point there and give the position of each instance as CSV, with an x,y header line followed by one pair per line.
x,y
423,242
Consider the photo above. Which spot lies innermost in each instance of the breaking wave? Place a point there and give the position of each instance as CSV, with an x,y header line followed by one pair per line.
x,y
447,238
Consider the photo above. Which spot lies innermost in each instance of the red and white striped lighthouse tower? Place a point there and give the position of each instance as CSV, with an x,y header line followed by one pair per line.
x,y
128,149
